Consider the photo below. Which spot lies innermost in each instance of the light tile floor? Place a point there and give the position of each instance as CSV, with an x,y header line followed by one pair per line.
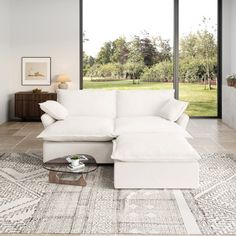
x,y
211,135
20,137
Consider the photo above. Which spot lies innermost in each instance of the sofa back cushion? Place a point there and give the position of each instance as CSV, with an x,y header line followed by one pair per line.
x,y
141,102
99,103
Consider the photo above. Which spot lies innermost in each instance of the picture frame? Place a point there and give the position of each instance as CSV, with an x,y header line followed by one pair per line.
x,y
36,71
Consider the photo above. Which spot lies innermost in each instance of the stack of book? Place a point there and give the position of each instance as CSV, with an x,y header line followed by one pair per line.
x,y
77,168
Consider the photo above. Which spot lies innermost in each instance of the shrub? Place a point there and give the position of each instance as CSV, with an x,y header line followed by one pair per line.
x,y
134,70
161,72
194,70
110,70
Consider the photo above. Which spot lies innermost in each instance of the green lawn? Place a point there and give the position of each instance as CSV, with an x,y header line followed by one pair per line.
x,y
202,102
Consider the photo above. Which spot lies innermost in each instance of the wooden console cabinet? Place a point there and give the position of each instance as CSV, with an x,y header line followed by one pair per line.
x,y
27,104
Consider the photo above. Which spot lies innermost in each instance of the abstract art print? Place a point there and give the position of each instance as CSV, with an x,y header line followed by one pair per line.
x,y
36,71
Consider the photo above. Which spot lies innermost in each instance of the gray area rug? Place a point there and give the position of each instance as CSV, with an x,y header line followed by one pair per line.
x,y
29,204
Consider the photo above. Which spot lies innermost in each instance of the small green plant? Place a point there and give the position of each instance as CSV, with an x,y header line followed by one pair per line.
x,y
231,80
75,157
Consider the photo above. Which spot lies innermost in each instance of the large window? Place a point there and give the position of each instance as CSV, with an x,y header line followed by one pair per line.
x,y
198,56
128,44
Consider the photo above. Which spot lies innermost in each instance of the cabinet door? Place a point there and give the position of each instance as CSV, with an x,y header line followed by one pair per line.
x,y
33,109
27,104
19,105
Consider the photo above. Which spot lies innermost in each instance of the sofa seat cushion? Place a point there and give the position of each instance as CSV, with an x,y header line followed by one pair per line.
x,y
80,129
148,124
153,148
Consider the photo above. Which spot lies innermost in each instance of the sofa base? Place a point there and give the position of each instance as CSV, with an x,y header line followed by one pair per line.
x,y
173,175
101,151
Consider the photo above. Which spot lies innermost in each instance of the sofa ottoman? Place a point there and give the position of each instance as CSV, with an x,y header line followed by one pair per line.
x,y
154,161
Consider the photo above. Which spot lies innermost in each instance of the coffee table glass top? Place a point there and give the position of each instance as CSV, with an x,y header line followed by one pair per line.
x,y
61,165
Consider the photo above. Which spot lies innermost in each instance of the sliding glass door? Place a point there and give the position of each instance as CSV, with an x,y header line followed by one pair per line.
x,y
128,44
198,56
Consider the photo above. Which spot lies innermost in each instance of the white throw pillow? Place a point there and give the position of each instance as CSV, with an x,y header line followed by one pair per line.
x,y
47,120
54,109
173,109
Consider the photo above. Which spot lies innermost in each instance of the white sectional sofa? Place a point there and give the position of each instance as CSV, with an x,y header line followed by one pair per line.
x,y
96,118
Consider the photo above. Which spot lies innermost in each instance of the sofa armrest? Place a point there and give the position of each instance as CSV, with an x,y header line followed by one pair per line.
x,y
183,120
47,120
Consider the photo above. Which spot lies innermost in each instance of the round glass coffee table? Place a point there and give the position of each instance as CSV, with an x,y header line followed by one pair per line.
x,y
60,173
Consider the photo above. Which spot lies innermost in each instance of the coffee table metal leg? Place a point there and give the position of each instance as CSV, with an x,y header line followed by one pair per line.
x,y
54,178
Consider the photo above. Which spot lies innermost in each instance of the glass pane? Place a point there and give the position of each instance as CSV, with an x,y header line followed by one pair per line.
x,y
128,44
198,56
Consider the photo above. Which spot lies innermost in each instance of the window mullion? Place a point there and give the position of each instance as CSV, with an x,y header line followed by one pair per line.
x,y
176,49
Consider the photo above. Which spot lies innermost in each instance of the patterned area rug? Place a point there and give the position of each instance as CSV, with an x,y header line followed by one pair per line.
x,y
29,204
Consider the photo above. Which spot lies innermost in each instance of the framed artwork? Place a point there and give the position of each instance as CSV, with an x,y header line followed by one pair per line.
x,y
36,71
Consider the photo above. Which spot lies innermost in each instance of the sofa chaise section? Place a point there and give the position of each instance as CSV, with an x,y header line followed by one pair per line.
x,y
154,161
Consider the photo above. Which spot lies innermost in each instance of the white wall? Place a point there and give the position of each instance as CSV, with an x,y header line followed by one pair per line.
x,y
47,28
229,62
5,69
